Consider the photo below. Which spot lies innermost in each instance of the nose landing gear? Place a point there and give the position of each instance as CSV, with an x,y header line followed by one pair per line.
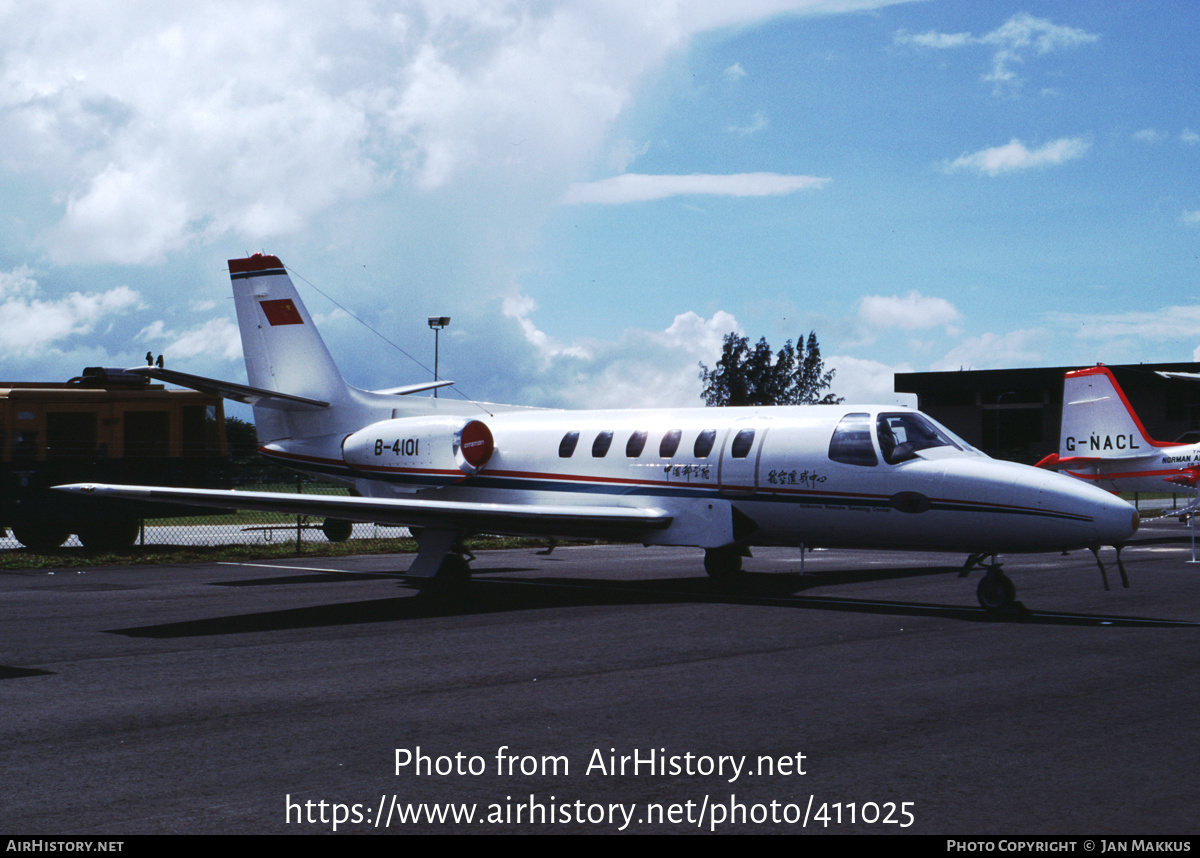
x,y
996,592
1104,572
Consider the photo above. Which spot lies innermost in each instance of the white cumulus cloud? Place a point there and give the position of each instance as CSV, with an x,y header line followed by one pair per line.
x,y
155,126
31,324
1179,322
1012,43
642,369
993,351
868,381
909,312
1015,155
652,369
635,187
218,337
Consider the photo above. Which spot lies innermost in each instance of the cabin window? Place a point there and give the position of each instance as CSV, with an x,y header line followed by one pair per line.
x,y
704,443
742,442
851,441
902,435
669,443
635,445
601,444
566,447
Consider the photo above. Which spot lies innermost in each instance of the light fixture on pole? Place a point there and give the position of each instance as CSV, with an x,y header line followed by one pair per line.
x,y
437,323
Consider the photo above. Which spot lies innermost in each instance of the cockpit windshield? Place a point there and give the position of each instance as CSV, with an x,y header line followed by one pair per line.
x,y
902,435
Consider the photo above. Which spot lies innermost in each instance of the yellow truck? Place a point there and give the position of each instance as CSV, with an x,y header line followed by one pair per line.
x,y
110,426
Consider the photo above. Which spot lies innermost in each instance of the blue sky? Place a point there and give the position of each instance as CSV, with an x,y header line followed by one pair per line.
x,y
597,192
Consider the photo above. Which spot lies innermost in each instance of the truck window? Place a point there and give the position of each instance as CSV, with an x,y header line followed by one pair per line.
x,y
70,434
147,434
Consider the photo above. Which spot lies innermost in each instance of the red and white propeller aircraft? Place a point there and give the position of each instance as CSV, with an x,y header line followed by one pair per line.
x,y
1104,443
723,479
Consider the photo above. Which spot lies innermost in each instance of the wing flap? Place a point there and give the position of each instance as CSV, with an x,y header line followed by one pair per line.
x,y
502,518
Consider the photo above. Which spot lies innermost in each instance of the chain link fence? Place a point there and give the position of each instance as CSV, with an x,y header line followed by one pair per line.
x,y
253,527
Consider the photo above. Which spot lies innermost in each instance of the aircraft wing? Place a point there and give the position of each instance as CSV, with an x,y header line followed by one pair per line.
x,y
231,390
502,518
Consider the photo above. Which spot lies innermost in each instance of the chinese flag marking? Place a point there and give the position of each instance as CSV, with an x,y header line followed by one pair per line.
x,y
281,312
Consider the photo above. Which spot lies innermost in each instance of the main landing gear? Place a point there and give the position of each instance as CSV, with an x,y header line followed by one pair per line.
x,y
442,564
724,564
996,591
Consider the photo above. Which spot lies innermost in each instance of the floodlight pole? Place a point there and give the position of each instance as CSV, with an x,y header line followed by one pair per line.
x,y
436,323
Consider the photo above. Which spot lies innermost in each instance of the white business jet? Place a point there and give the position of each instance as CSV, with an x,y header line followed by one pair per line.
x,y
722,479
1104,443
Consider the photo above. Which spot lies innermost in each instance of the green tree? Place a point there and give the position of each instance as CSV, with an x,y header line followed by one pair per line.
x,y
753,376
242,438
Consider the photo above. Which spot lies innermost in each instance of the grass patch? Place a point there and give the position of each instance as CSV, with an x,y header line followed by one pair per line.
x,y
250,517
1150,504
243,517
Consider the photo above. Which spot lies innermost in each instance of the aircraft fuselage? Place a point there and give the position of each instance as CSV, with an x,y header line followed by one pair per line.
x,y
756,475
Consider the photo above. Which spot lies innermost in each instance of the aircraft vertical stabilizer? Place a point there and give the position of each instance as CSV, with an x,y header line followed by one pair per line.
x,y
1097,419
284,352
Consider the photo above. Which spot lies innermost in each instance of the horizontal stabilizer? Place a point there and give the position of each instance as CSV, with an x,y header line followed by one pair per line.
x,y
1054,463
501,518
406,389
232,390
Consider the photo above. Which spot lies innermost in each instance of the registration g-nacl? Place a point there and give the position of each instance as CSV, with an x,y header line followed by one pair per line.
x,y
1103,441
722,479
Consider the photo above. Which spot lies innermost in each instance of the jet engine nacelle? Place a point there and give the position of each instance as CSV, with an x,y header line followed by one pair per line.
x,y
425,443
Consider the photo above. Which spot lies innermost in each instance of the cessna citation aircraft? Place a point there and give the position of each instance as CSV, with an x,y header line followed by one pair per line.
x,y
722,479
1104,443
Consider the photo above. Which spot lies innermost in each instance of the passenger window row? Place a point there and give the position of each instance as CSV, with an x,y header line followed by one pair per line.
x,y
667,446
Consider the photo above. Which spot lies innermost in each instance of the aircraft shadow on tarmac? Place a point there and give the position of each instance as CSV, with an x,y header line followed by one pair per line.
x,y
488,594
9,672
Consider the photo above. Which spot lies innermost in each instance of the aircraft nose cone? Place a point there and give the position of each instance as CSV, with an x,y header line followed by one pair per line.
x,y
1103,518
1116,520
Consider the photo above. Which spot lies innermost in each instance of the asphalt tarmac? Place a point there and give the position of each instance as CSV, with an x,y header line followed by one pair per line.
x,y
603,689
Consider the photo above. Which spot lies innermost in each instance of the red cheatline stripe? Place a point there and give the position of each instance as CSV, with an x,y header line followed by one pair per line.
x,y
582,478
